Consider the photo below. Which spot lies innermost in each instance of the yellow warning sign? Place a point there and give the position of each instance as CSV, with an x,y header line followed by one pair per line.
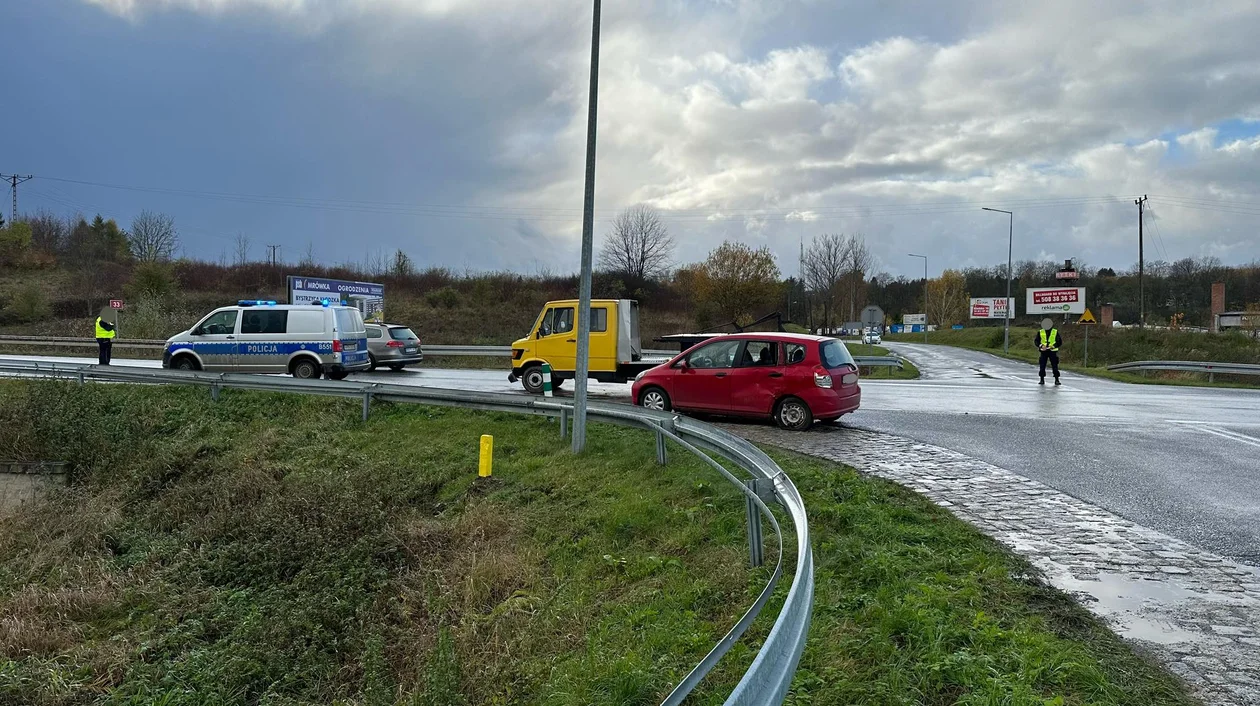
x,y
1087,318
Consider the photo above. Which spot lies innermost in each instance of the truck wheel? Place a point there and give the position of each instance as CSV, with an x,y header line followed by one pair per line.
x,y
655,398
556,382
532,380
306,370
794,415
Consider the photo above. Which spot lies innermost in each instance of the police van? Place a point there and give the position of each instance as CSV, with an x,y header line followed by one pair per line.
x,y
305,341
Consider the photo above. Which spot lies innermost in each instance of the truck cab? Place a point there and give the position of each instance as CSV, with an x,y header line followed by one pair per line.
x,y
616,352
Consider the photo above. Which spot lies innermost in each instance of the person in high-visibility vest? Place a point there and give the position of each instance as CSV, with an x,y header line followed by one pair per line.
x,y
104,339
1048,342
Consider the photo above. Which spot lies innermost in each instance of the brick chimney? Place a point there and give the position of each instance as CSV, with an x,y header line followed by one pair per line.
x,y
1218,305
1108,315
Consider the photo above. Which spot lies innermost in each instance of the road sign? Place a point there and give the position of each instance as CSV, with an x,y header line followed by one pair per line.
x,y
1056,300
914,319
1088,319
993,308
873,316
115,303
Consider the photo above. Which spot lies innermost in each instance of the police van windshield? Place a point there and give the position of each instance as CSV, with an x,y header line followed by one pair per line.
x,y
350,322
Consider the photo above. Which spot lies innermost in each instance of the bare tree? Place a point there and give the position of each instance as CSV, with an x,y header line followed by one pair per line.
x,y
308,257
859,261
242,249
49,232
639,246
826,262
153,237
402,266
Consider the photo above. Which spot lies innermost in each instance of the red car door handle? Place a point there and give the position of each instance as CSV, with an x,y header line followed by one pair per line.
x,y
720,375
776,375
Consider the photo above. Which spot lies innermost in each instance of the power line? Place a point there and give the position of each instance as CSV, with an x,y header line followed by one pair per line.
x,y
14,180
274,254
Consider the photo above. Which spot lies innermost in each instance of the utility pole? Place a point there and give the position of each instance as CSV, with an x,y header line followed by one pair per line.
x,y
1141,204
14,180
588,238
275,253
1010,248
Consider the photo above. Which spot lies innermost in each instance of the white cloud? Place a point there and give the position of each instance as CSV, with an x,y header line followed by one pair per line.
x,y
716,113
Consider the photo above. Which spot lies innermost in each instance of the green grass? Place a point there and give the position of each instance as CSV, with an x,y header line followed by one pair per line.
x,y
1110,347
272,549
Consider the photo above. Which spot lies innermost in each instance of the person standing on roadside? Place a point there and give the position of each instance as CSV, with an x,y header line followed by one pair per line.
x,y
105,332
1048,342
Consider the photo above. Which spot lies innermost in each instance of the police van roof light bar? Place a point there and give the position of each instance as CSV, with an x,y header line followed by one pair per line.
x,y
255,302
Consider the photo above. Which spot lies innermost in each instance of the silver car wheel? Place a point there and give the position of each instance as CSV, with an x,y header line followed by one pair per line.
x,y
653,399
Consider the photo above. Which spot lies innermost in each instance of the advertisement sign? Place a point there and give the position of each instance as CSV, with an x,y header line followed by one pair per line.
x,y
368,297
1056,300
115,303
993,308
914,319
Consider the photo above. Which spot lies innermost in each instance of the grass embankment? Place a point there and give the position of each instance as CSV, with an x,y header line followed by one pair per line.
x,y
272,549
1110,347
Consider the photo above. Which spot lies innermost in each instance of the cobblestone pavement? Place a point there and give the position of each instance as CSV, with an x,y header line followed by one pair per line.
x,y
1196,612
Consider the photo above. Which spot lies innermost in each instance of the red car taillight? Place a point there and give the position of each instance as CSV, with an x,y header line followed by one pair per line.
x,y
822,377
395,344
336,345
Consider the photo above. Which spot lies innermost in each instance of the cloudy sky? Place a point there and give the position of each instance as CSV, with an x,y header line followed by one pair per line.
x,y
455,129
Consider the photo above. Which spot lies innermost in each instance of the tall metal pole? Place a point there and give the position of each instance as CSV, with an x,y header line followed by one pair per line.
x,y
925,295
1141,264
1010,306
588,237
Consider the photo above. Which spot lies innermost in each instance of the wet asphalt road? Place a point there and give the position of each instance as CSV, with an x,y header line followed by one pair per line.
x,y
1182,460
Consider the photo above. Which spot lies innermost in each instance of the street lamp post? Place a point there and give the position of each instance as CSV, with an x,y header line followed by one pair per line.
x,y
925,295
1010,242
588,236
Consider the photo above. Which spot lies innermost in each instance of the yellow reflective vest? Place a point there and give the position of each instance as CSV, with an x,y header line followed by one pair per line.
x,y
1050,339
100,330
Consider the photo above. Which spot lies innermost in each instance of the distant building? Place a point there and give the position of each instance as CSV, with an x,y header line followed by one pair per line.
x,y
1236,320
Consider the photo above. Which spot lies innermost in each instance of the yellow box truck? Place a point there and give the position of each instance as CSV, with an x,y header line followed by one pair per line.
x,y
616,353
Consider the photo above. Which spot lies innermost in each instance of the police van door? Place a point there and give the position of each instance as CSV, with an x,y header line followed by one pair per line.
x,y
261,346
214,340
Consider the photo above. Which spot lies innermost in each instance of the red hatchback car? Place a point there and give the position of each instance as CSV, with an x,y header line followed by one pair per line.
x,y
791,378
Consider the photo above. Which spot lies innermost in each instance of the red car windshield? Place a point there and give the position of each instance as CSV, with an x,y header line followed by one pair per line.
x,y
835,355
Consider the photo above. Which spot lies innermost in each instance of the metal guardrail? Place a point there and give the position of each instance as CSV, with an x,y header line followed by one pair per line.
x,y
879,361
768,678
485,351
1188,366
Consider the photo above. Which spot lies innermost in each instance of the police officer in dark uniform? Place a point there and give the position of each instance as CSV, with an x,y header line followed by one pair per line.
x,y
105,332
1048,342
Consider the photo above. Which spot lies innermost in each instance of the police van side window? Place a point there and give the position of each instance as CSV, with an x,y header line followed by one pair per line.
x,y
218,324
308,323
264,321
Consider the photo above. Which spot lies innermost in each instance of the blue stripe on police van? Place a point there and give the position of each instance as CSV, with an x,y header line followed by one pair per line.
x,y
317,347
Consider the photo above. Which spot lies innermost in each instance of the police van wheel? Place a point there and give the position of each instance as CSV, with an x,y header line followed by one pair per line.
x,y
184,363
306,370
532,380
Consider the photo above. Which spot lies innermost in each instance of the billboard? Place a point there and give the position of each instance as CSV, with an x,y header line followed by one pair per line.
x,y
912,319
1056,300
993,308
368,297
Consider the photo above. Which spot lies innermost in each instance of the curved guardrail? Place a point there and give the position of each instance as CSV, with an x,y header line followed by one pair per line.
x,y
768,678
1188,366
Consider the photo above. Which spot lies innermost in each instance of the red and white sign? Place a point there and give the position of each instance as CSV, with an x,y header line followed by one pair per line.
x,y
1056,300
1067,274
115,303
993,308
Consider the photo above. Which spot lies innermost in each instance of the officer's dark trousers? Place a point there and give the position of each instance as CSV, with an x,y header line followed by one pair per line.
x,y
107,348
1053,357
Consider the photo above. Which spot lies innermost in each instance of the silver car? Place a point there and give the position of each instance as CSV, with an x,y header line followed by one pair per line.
x,y
392,346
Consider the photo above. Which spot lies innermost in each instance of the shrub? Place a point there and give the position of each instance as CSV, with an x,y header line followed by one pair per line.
x,y
152,280
444,298
29,304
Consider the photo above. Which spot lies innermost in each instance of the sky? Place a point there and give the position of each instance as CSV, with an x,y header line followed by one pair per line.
x,y
455,130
